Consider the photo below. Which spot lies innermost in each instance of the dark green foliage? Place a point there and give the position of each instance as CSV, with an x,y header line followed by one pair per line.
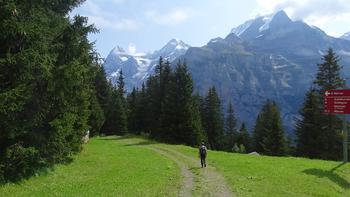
x,y
244,138
102,89
231,134
328,75
121,84
268,133
189,128
97,116
116,118
212,120
319,134
166,108
132,105
20,161
47,69
308,129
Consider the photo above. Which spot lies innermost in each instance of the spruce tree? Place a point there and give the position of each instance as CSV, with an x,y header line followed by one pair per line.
x,y
269,135
121,84
132,102
230,128
327,78
213,120
308,127
244,137
189,128
46,90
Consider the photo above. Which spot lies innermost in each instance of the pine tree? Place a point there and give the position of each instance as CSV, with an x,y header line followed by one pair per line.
x,y
308,129
121,84
189,128
212,120
46,90
116,120
132,103
141,112
244,137
230,128
168,117
97,116
328,75
268,133
327,78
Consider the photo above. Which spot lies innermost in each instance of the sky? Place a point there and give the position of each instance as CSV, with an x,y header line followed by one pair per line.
x,y
147,25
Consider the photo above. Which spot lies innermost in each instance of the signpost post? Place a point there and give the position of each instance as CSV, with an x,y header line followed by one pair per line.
x,y
338,102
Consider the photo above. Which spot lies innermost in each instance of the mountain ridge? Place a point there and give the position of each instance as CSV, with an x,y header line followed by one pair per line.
x,y
269,57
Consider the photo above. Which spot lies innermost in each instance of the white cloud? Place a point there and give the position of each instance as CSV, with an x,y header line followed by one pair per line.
x,y
316,12
115,24
104,19
132,48
174,17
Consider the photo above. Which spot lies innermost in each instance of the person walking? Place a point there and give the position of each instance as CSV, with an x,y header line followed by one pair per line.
x,y
203,154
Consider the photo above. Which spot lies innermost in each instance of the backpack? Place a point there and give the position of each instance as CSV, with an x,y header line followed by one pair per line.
x,y
203,151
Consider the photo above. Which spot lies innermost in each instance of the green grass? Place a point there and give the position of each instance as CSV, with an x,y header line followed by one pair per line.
x,y
250,175
126,167
106,167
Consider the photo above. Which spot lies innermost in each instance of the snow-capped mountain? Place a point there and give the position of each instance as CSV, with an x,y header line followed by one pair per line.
x,y
137,67
269,57
346,36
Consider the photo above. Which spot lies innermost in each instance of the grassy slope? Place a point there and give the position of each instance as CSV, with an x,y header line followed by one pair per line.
x,y
110,168
251,175
105,168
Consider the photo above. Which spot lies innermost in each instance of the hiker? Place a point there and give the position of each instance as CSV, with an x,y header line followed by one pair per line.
x,y
203,154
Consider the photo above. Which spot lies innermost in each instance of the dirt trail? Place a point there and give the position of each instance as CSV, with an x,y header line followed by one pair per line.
x,y
196,181
208,182
187,175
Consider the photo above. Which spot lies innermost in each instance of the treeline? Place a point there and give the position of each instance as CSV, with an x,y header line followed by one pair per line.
x,y
166,109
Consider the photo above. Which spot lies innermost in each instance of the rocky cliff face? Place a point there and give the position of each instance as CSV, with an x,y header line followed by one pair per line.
x,y
270,57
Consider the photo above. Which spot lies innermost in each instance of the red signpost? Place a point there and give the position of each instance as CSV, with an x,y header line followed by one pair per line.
x,y
337,102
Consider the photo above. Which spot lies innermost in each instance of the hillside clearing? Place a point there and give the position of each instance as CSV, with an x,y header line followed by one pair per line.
x,y
133,166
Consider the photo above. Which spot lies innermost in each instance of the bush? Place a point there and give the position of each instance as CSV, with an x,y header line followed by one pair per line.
x,y
2,178
238,148
20,162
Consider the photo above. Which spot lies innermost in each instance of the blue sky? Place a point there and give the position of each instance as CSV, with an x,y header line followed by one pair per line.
x,y
147,25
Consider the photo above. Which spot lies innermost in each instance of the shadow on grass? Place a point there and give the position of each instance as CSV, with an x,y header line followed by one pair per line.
x,y
143,143
115,137
330,175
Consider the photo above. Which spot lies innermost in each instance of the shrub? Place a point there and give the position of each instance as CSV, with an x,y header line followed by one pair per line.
x,y
20,162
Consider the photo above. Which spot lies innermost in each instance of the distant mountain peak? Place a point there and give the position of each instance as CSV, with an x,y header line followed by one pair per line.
x,y
138,66
179,44
281,15
345,36
263,23
118,50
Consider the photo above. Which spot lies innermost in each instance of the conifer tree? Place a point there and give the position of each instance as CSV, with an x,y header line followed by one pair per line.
x,y
213,120
46,89
329,138
269,135
244,137
121,84
308,127
189,128
132,103
230,128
